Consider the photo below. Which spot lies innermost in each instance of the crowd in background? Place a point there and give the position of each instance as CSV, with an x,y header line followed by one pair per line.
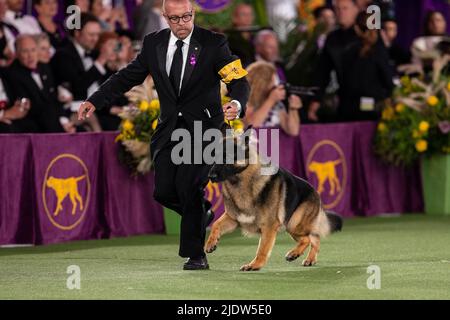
x,y
46,71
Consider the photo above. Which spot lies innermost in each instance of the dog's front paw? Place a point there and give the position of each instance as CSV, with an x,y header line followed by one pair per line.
x,y
250,267
211,245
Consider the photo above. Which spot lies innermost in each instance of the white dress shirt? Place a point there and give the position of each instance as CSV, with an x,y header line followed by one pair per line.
x,y
88,62
25,24
171,52
37,78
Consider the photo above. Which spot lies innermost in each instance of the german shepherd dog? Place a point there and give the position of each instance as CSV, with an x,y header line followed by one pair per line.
x,y
263,204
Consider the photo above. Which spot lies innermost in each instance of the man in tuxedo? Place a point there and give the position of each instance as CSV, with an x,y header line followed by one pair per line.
x,y
76,67
187,64
34,81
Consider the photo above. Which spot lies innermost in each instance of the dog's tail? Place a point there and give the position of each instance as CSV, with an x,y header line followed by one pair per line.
x,y
328,222
335,221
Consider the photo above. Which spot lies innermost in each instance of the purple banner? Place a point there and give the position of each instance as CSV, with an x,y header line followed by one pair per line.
x,y
60,187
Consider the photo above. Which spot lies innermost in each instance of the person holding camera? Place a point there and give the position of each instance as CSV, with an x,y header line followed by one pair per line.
x,y
267,106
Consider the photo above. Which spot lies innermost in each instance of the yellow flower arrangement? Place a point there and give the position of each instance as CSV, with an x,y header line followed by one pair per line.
x,y
418,122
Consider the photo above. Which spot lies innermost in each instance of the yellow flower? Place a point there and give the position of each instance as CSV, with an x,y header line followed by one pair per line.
x,y
448,86
154,104
388,113
421,145
400,107
154,124
119,138
424,126
416,134
127,125
432,100
143,106
382,127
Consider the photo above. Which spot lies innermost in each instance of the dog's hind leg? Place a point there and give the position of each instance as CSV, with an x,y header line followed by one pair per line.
x,y
266,243
302,245
223,225
311,259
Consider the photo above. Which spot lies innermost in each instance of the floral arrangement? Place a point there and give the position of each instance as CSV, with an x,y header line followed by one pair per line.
x,y
417,120
139,121
138,124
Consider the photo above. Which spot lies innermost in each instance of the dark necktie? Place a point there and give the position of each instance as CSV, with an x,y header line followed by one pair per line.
x,y
177,65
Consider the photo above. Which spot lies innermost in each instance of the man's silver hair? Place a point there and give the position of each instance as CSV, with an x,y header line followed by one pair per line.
x,y
164,3
263,33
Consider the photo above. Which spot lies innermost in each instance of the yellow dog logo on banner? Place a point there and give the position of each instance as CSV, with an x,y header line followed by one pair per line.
x,y
66,199
64,188
326,172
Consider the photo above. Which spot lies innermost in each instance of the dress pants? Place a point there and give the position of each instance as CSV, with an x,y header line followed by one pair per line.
x,y
181,188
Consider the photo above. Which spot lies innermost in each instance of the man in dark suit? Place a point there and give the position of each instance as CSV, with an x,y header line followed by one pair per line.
x,y
187,64
34,81
76,66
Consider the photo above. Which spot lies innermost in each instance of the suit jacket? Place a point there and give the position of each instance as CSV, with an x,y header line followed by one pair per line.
x,y
200,91
68,69
45,109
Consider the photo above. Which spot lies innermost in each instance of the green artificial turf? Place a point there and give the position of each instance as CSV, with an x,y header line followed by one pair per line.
x,y
413,253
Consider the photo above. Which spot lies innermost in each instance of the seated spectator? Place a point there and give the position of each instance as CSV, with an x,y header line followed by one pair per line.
x,y
34,81
397,55
241,37
110,18
267,49
124,49
47,11
265,106
25,24
13,112
78,68
435,32
8,34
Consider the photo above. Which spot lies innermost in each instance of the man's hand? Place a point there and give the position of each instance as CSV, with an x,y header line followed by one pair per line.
x,y
230,110
18,111
86,110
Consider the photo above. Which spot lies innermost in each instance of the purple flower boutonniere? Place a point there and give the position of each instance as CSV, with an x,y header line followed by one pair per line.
x,y
193,60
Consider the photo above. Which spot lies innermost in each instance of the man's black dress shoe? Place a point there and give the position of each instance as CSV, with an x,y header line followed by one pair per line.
x,y
196,264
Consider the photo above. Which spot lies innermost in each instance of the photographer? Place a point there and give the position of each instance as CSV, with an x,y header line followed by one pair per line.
x,y
265,107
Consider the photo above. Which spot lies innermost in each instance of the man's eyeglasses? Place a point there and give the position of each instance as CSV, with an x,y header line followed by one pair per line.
x,y
176,19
